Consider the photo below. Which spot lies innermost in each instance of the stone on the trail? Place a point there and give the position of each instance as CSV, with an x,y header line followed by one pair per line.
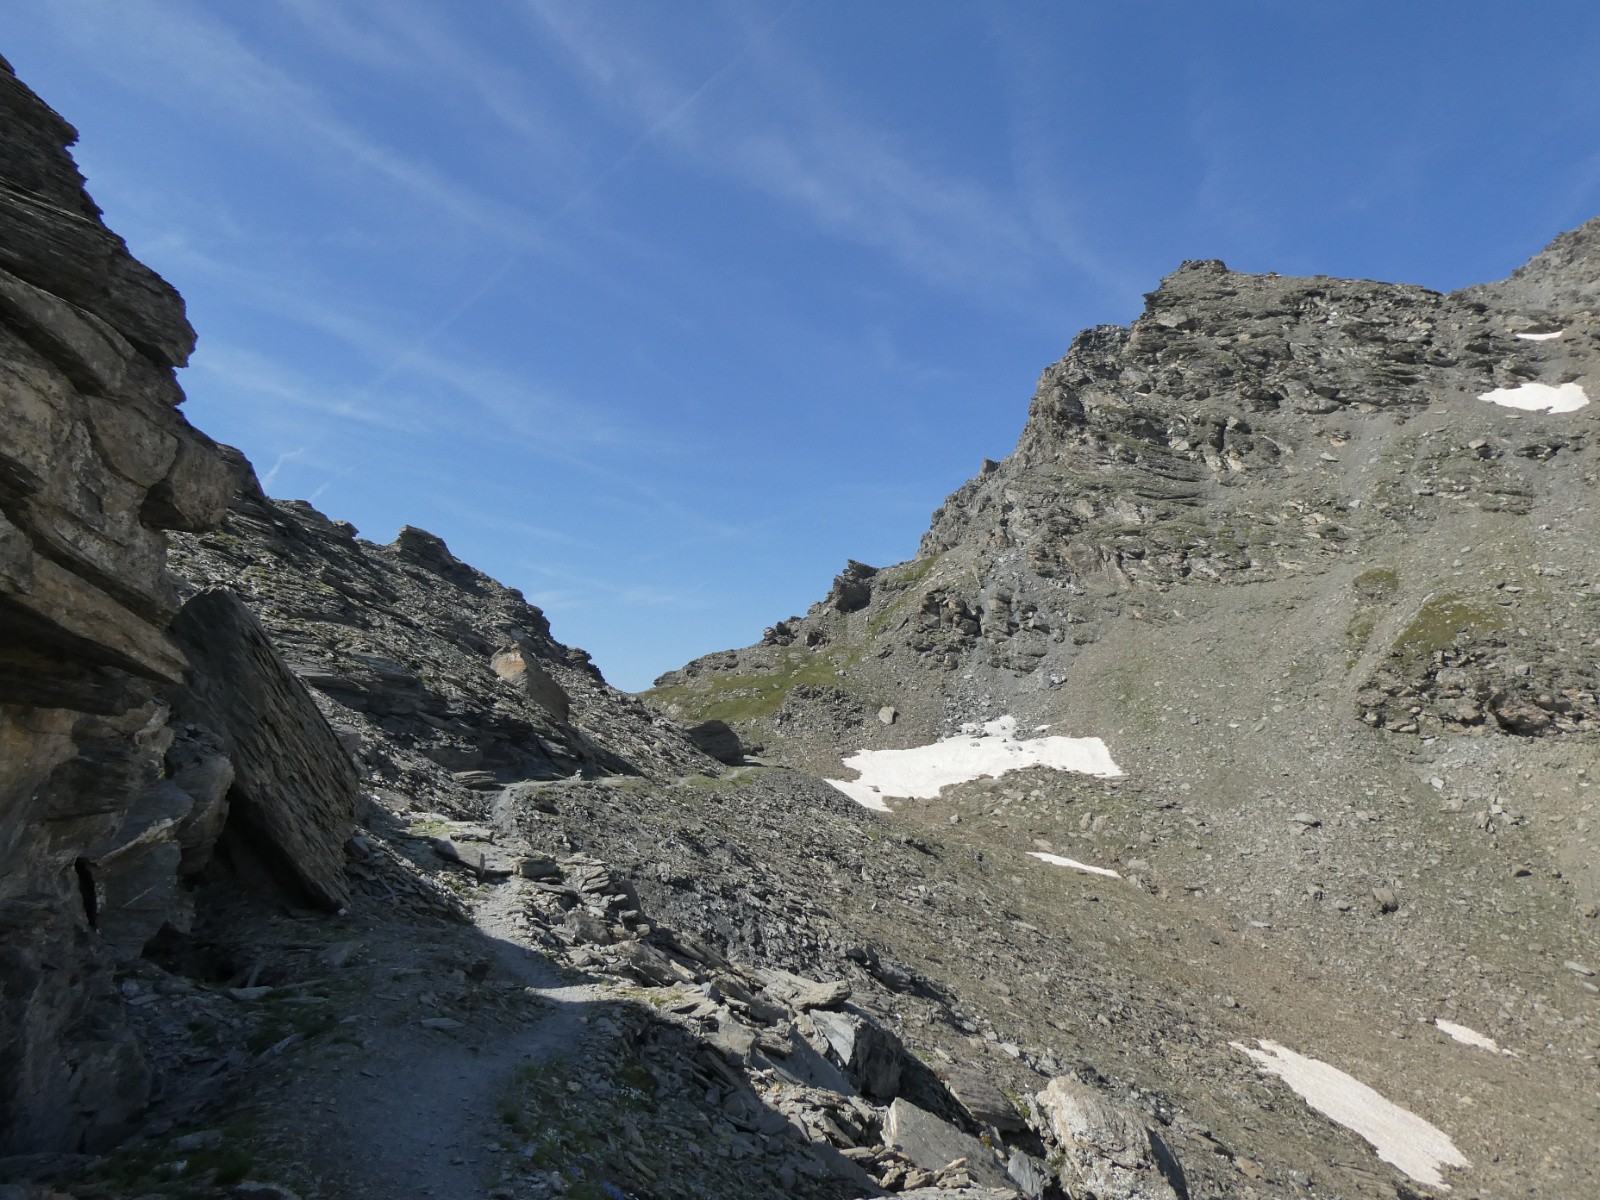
x,y
201,1139
340,953
799,1062
646,964
1306,819
538,868
871,1056
888,714
479,856
733,1039
251,1190
584,928
1578,967
1030,1175
1103,1151
1385,899
821,995
984,1102
934,1144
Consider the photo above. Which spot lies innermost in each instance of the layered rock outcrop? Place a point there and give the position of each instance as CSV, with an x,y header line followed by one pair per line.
x,y
106,803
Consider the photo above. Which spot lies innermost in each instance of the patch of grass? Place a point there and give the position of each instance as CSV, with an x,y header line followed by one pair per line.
x,y
1377,585
912,572
282,1018
1441,621
736,698
1373,589
151,1167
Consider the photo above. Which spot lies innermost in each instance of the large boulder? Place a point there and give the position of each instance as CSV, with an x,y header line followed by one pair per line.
x,y
717,739
1102,1150
871,1056
521,668
294,794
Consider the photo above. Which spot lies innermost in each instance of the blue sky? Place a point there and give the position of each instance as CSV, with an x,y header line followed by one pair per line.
x,y
660,311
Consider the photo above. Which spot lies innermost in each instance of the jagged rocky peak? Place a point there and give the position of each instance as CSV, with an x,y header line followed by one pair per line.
x,y
1245,429
1560,281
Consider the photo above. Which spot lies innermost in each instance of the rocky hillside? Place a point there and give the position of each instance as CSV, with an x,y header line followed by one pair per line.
x,y
328,871
1336,617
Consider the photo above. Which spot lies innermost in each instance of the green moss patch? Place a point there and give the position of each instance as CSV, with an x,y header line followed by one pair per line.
x,y
1443,620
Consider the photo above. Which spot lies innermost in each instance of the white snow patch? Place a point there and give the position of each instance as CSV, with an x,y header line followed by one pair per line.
x,y
921,772
1055,860
1400,1137
1467,1037
1531,397
1540,337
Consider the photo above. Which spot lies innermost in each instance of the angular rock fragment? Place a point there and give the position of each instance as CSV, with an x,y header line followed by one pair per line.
x,y
1102,1150
871,1056
934,1144
717,739
985,1103
293,799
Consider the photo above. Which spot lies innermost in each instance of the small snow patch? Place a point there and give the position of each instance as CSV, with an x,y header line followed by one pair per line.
x,y
990,750
1055,860
1400,1137
1540,337
1467,1037
1532,397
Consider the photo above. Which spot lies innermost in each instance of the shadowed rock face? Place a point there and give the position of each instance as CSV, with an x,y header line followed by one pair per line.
x,y
292,781
105,805
96,461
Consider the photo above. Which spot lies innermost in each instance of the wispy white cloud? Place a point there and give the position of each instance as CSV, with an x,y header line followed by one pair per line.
x,y
501,521
288,456
506,405
787,133
236,369
196,54
401,36
573,588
